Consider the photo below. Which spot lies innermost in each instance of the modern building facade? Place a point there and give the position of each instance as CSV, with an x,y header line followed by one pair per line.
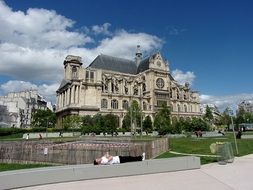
x,y
109,85
16,108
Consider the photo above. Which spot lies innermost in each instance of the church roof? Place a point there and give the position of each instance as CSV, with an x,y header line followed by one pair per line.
x,y
114,64
64,82
144,65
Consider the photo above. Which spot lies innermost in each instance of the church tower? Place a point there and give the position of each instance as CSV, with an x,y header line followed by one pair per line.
x,y
138,55
72,65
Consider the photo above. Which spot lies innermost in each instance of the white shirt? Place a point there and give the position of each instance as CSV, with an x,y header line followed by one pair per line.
x,y
105,161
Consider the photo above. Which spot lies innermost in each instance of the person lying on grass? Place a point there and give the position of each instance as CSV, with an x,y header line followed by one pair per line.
x,y
109,160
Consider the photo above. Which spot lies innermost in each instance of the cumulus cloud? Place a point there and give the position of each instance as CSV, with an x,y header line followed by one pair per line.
x,y
38,28
47,91
222,102
33,45
103,29
182,77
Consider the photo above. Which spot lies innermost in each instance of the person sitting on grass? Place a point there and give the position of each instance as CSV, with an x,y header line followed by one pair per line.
x,y
109,160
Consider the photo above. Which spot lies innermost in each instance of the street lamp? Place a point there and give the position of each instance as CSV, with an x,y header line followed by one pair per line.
x,y
47,127
233,128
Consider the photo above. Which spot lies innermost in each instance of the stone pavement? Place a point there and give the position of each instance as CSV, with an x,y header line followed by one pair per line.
x,y
232,176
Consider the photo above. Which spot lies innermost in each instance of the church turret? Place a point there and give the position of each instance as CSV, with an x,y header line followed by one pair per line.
x,y
138,55
72,65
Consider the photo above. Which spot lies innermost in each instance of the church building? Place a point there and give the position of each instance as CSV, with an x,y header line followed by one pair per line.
x,y
109,85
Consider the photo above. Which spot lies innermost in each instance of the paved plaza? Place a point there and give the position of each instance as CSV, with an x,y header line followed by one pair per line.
x,y
233,176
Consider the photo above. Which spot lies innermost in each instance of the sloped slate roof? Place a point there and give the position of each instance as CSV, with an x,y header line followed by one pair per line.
x,y
64,82
144,65
114,64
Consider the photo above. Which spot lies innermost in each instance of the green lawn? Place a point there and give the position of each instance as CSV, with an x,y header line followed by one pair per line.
x,y
7,167
202,146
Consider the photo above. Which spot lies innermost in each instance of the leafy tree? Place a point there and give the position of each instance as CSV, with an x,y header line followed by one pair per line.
x,y
208,115
225,118
72,122
126,123
249,117
133,116
87,120
199,124
162,120
147,124
98,121
43,118
111,123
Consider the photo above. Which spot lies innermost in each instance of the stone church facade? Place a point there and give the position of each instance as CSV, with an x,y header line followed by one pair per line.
x,y
109,85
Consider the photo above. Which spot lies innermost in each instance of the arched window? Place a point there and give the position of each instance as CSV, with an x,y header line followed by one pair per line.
x,y
171,107
125,104
185,108
144,105
74,72
114,104
178,108
103,103
177,94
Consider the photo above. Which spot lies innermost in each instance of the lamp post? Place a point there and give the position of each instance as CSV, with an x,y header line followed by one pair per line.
x,y
47,127
141,106
233,128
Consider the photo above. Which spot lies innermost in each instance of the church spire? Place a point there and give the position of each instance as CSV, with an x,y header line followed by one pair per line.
x,y
138,55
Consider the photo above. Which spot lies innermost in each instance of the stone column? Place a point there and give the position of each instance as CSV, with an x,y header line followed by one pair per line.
x,y
65,98
78,94
72,94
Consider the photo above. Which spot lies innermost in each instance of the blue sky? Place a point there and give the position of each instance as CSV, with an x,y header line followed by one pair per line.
x,y
208,43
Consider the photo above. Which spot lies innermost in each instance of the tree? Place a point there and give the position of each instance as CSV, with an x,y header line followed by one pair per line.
x,y
147,124
225,118
208,115
72,122
111,123
126,123
87,121
133,116
199,124
43,118
162,121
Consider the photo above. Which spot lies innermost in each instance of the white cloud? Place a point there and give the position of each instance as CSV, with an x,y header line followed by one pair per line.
x,y
47,91
38,28
182,77
33,45
223,102
103,29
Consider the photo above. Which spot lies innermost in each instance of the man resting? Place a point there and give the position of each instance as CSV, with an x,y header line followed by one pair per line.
x,y
109,160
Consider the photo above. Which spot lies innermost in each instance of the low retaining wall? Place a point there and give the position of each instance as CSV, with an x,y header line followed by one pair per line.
x,y
80,152
41,176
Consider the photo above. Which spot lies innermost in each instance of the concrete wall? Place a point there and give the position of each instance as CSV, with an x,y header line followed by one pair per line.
x,y
80,152
41,176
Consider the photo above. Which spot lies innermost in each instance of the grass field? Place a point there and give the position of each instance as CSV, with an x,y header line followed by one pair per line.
x,y
201,146
189,145
7,167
